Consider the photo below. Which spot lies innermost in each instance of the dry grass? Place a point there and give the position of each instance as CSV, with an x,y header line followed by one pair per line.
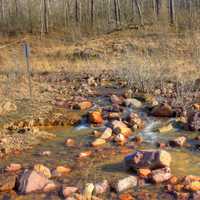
x,y
147,58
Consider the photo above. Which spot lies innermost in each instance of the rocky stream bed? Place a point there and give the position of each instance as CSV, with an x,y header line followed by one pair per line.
x,y
109,143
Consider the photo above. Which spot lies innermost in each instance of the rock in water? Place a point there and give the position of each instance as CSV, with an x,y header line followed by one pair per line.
x,y
31,181
67,191
96,117
162,110
134,103
83,105
102,187
106,134
178,142
126,183
41,169
161,175
98,142
151,159
88,191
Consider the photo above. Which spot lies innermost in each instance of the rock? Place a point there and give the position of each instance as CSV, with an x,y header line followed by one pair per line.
x,y
128,93
102,187
144,173
87,194
84,105
85,154
7,107
161,175
32,181
138,139
120,139
41,169
50,187
45,153
7,183
91,82
196,106
106,134
114,116
116,100
133,103
194,121
166,128
124,131
96,117
70,142
126,183
68,191
151,159
118,124
135,121
61,171
98,142
192,183
178,142
196,196
126,196
162,110
13,167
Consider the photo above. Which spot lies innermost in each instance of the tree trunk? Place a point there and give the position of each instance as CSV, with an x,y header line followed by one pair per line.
x,y
139,9
172,12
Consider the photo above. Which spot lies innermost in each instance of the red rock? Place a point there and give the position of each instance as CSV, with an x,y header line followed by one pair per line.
x,y
161,175
84,105
70,142
85,154
68,191
31,181
96,117
126,196
144,173
162,110
13,167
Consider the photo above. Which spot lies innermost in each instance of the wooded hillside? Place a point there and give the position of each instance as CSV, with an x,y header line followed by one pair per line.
x,y
94,16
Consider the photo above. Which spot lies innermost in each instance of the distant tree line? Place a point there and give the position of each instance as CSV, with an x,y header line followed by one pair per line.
x,y
89,16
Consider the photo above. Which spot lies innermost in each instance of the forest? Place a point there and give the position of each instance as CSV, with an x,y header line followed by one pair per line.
x,y
94,16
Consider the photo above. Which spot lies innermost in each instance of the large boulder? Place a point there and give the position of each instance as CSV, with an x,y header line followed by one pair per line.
x,y
151,159
162,110
32,181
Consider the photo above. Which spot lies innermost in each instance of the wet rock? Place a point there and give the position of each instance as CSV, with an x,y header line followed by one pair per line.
x,y
152,159
13,167
89,188
192,183
114,116
68,191
106,134
98,142
61,171
144,173
161,145
84,105
70,142
116,100
178,142
45,153
194,121
166,128
85,154
7,107
138,139
7,183
126,196
50,187
126,183
128,93
135,121
96,117
124,131
133,103
162,110
173,180
41,169
120,139
102,187
31,181
161,175
196,196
